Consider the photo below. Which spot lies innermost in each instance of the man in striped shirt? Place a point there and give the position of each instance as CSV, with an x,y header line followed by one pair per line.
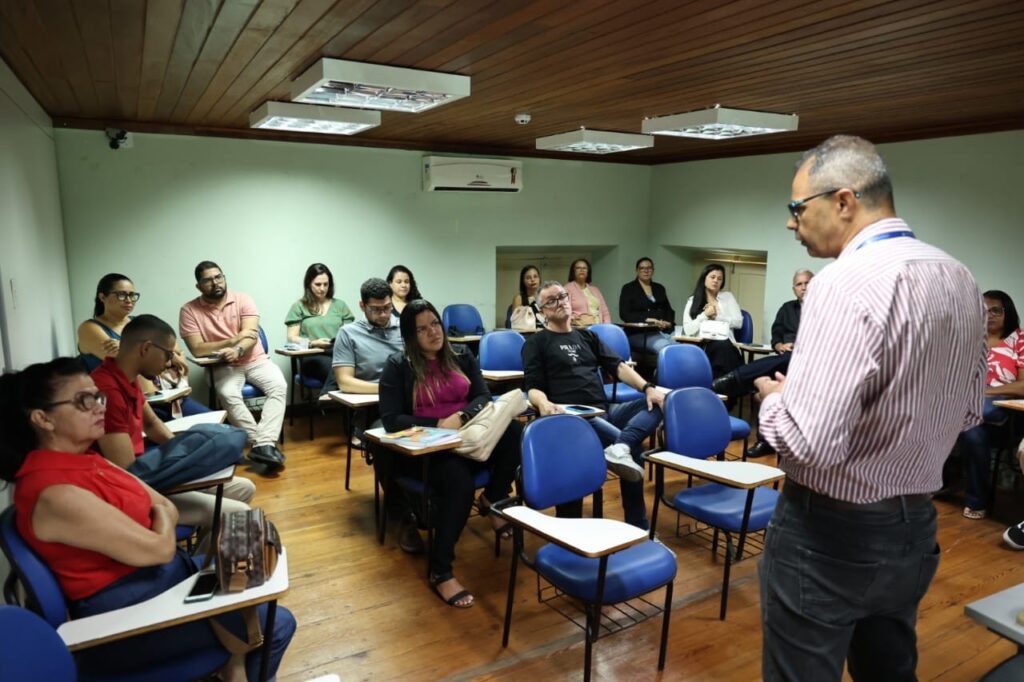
x,y
888,370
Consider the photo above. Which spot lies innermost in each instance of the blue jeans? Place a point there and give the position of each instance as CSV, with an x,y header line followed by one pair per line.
x,y
629,423
839,584
976,450
163,645
649,342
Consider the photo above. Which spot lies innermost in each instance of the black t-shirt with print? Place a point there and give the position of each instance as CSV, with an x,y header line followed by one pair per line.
x,y
564,366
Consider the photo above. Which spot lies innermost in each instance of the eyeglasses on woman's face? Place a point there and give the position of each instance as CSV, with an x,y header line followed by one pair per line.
x,y
995,311
83,401
123,296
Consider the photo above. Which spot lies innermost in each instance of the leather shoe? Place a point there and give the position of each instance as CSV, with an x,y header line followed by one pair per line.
x,y
268,455
409,539
728,384
760,449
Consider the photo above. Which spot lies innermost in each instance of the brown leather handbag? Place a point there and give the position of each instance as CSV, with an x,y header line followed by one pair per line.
x,y
247,549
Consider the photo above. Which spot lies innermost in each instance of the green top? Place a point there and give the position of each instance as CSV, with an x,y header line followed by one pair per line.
x,y
312,326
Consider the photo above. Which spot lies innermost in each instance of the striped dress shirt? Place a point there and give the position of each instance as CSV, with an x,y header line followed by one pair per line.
x,y
888,369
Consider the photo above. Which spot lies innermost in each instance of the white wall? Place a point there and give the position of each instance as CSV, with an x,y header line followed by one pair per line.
x,y
958,193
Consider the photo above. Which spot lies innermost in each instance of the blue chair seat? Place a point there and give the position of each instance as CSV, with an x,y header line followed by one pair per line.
x,y
309,382
631,572
623,393
722,506
738,428
198,663
249,391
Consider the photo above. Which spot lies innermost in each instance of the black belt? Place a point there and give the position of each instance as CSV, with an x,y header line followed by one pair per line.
x,y
805,495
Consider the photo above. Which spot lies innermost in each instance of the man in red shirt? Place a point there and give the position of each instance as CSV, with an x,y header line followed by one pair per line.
x,y
147,347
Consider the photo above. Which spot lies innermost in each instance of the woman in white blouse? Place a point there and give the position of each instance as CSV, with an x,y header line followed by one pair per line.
x,y
710,304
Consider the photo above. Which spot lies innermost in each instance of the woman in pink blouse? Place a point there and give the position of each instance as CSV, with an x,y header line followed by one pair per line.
x,y
588,306
433,383
1005,379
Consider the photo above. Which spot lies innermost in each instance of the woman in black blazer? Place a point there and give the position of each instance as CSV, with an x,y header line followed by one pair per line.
x,y
644,300
433,383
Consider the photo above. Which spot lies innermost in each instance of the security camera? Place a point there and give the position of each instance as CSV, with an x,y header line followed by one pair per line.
x,y
522,119
118,138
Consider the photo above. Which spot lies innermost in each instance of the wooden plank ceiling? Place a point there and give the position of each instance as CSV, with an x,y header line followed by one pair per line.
x,y
885,69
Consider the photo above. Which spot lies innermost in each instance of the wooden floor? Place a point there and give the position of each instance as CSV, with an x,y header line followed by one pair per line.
x,y
365,611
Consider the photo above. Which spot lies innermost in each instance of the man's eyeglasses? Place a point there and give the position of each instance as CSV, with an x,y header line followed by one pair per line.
x,y
168,352
995,311
207,281
123,296
380,309
555,300
796,208
83,401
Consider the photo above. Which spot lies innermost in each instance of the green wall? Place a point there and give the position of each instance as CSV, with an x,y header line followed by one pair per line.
x,y
266,210
958,193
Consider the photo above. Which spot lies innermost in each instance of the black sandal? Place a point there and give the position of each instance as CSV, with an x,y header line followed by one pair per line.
x,y
483,508
436,580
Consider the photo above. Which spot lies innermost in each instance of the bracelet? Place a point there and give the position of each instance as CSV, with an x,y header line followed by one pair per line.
x,y
646,386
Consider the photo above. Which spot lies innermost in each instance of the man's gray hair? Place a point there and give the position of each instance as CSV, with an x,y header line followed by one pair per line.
x,y
547,285
802,271
846,161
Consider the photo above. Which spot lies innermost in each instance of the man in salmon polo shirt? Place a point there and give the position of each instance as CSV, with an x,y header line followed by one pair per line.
x,y
226,324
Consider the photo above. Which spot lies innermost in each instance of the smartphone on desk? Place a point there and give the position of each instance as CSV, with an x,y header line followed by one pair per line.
x,y
204,587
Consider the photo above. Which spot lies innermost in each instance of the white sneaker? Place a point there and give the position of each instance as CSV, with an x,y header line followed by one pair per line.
x,y
1014,536
621,462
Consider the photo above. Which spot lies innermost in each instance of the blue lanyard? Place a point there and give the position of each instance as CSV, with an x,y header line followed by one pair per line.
x,y
885,235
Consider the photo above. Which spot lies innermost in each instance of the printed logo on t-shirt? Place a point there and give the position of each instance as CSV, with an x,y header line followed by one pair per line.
x,y
572,350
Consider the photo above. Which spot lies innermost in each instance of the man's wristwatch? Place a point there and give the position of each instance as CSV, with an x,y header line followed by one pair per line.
x,y
239,350
646,386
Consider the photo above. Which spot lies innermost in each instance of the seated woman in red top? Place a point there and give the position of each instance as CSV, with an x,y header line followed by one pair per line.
x,y
107,537
1005,379
434,384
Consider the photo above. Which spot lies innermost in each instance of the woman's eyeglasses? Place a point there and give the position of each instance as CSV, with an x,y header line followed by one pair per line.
x,y
83,401
123,296
995,311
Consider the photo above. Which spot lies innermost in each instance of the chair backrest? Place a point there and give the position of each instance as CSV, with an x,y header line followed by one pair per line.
x,y
32,649
613,337
263,340
462,318
502,350
696,423
563,460
683,365
746,332
44,594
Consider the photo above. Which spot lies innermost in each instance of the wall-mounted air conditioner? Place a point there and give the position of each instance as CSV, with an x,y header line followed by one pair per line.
x,y
451,174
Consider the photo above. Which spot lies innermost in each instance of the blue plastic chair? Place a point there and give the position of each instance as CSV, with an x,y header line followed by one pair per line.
x,y
697,426
310,390
462,319
502,351
613,337
45,598
32,649
563,461
685,365
746,332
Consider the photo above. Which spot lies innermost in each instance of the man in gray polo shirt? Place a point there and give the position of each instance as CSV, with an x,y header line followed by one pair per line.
x,y
362,348
360,351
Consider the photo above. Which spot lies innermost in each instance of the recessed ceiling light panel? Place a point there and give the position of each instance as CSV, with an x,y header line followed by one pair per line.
x,y
721,123
306,118
342,83
585,141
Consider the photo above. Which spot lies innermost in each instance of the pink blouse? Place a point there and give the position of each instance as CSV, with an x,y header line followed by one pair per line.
x,y
446,396
578,301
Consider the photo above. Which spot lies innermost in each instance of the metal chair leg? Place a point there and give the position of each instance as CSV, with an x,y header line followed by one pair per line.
x,y
517,541
664,626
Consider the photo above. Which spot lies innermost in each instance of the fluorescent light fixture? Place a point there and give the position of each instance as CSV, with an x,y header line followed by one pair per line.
x,y
305,118
585,141
721,123
341,83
